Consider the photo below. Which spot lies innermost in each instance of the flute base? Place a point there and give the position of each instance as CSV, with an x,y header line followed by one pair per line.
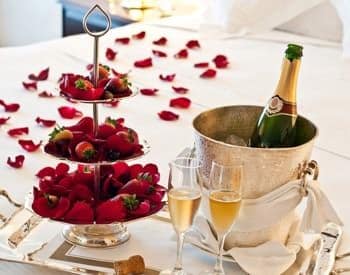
x,y
96,235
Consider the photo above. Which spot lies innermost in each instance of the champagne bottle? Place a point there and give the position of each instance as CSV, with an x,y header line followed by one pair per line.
x,y
276,124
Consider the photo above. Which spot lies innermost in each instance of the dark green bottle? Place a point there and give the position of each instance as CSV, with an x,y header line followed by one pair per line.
x,y
276,124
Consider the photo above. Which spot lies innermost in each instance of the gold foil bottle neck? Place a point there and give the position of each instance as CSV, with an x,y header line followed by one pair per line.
x,y
287,84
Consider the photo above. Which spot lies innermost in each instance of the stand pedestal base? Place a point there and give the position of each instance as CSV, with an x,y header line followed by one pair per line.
x,y
96,235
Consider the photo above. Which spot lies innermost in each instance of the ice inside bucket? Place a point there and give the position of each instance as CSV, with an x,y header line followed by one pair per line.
x,y
264,169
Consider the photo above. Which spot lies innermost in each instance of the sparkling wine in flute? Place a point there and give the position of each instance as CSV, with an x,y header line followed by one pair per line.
x,y
183,205
224,208
276,124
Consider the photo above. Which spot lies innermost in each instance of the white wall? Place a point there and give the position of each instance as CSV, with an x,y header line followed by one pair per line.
x,y
27,21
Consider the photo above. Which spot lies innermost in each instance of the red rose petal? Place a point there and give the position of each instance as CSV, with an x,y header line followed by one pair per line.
x,y
144,63
210,73
46,172
11,108
168,115
45,94
122,40
159,53
180,90
69,112
62,169
112,103
30,86
201,65
168,78
89,67
181,54
18,131
140,35
17,163
161,41
3,120
192,44
29,145
43,75
220,61
114,72
148,91
180,102
45,122
110,54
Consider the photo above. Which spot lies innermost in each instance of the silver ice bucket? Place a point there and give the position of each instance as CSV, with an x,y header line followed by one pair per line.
x,y
264,169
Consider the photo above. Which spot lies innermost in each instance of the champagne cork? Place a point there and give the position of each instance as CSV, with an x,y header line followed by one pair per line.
x,y
133,265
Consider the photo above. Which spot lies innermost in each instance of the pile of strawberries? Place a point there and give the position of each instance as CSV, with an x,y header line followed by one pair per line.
x,y
76,86
126,192
114,141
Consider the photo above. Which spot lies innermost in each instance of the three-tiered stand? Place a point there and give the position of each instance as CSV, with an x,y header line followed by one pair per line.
x,y
99,235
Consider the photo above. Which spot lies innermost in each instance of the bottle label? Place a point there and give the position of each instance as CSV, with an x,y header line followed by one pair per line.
x,y
279,106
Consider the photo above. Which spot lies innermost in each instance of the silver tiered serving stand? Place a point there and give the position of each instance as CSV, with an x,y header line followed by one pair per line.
x,y
99,235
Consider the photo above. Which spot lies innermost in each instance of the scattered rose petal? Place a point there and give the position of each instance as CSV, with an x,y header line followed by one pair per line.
x,y
201,65
69,112
161,41
11,108
3,120
181,54
220,61
30,86
45,94
18,131
180,102
114,72
110,54
144,63
89,67
17,163
192,44
148,91
45,122
180,90
122,40
43,75
168,115
210,73
140,35
159,53
29,145
168,78
112,103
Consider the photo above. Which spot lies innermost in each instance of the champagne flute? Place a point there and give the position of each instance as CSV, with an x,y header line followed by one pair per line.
x,y
184,195
224,203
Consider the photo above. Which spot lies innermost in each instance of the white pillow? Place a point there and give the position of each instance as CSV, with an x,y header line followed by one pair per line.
x,y
343,8
252,16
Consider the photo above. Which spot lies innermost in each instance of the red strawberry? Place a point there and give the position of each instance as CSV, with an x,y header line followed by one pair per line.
x,y
83,84
80,213
111,211
142,209
106,130
118,85
134,206
155,197
139,187
120,144
85,150
129,135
